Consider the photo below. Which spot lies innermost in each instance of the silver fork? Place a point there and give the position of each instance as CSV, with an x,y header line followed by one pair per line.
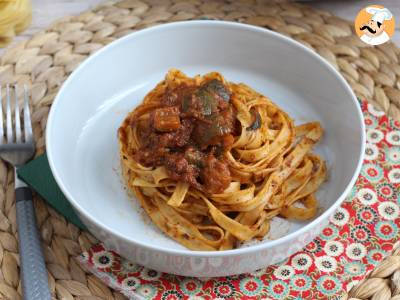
x,y
17,147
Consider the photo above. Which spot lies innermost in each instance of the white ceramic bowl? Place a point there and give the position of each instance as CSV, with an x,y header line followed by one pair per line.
x,y
82,132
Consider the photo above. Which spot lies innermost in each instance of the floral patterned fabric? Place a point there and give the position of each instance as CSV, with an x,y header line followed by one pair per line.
x,y
361,233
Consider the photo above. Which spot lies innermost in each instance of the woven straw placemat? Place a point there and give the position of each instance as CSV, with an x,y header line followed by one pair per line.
x,y
44,62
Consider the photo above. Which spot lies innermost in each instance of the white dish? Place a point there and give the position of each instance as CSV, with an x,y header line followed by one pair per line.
x,y
82,145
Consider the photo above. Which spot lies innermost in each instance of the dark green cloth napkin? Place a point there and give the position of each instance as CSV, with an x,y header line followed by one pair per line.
x,y
37,175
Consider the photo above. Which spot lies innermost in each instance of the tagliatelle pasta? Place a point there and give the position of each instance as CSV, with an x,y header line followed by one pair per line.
x,y
212,162
15,16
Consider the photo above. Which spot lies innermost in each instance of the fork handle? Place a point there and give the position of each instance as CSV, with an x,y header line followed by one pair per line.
x,y
35,285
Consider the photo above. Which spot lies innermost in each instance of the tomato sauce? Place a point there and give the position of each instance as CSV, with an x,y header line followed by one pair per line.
x,y
189,133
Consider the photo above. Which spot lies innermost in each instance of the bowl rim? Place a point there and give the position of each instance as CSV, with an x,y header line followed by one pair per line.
x,y
188,252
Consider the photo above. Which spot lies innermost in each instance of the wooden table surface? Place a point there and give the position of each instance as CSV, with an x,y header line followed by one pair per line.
x,y
47,11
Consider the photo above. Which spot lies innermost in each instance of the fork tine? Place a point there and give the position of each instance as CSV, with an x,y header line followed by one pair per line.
x,y
27,116
8,115
18,137
1,118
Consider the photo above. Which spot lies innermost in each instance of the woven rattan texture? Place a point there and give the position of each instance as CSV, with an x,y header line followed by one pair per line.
x,y
45,61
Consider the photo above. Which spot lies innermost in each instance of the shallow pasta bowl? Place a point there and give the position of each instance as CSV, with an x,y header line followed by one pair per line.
x,y
82,144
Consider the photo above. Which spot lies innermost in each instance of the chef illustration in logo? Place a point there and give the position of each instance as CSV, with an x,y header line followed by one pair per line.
x,y
374,30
